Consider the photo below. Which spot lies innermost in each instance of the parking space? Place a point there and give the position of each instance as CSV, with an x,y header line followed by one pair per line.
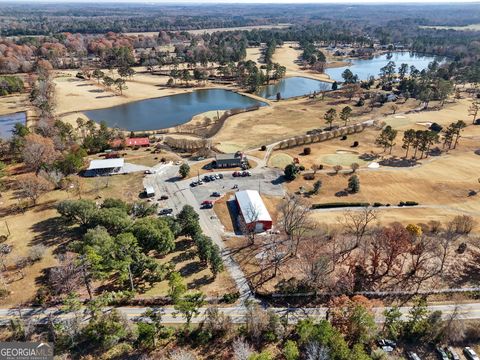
x,y
267,182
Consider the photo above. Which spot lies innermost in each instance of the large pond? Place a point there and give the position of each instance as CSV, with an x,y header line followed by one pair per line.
x,y
7,122
365,68
164,112
293,86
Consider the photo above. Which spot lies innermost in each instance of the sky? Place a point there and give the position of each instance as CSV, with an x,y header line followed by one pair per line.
x,y
257,1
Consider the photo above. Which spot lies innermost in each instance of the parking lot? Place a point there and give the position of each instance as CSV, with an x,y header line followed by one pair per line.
x,y
267,182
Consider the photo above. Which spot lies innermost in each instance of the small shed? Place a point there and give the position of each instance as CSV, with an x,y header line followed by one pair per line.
x,y
253,210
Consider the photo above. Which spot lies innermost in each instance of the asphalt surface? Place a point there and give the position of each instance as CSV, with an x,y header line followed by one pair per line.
x,y
237,313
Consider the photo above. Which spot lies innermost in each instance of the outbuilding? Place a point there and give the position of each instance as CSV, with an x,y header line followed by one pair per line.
x,y
229,160
100,167
253,210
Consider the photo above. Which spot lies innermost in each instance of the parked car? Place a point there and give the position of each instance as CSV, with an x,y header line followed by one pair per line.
x,y
212,178
206,178
207,204
216,176
200,182
442,355
163,197
412,356
236,173
453,354
220,176
193,184
235,186
216,194
387,342
470,354
165,212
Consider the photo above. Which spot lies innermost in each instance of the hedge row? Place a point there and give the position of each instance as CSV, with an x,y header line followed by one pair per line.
x,y
359,204
339,205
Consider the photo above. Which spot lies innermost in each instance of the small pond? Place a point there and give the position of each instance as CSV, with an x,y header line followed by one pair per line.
x,y
168,111
293,86
365,68
7,122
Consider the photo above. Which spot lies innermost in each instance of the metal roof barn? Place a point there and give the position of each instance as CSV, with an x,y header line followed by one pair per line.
x,y
105,164
253,210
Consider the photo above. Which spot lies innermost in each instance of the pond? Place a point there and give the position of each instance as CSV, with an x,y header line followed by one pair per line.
x,y
168,111
365,68
7,122
293,86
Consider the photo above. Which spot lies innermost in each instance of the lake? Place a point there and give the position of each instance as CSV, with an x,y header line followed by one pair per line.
x,y
293,86
365,68
8,121
168,111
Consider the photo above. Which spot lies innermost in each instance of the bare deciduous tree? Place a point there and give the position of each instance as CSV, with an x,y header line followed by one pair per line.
x,y
241,349
357,224
33,187
295,221
316,351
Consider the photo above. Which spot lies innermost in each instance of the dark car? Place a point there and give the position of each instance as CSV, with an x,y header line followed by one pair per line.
x,y
442,355
206,178
220,176
216,194
165,212
193,184
164,197
212,178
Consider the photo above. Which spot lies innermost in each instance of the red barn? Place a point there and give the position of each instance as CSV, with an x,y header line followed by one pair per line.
x,y
253,210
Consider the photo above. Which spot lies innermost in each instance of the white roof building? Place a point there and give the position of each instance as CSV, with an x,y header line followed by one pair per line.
x,y
252,207
106,164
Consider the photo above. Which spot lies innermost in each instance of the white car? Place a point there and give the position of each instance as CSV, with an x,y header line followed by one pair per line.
x,y
470,354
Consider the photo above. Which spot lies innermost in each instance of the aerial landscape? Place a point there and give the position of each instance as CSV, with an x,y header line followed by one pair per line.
x,y
246,181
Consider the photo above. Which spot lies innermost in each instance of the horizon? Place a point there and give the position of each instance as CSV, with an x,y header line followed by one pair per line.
x,y
239,2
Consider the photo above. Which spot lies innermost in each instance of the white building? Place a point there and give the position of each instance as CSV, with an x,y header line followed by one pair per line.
x,y
101,167
253,210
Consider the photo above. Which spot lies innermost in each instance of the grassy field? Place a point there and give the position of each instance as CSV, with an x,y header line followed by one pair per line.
x,y
290,118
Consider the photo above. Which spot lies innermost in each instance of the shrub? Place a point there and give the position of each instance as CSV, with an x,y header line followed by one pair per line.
x,y
309,176
230,298
263,148
307,151
436,127
377,204
36,253
301,168
290,350
344,137
355,144
290,172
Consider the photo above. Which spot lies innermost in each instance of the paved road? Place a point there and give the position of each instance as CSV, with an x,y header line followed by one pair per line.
x,y
237,314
